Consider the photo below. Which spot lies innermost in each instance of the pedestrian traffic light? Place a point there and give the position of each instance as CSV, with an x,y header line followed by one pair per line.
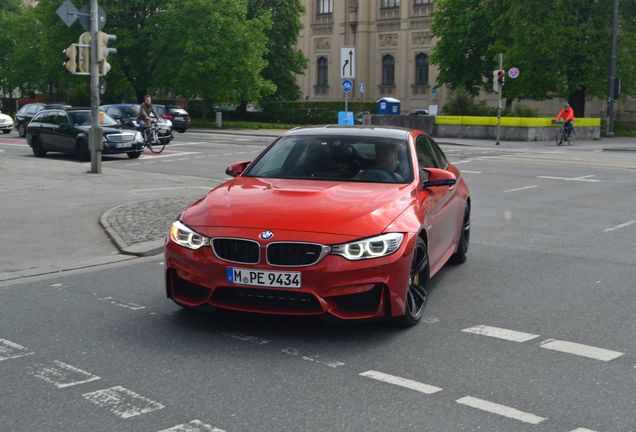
x,y
70,62
84,56
103,39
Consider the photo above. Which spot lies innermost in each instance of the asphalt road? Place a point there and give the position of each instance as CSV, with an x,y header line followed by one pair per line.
x,y
535,332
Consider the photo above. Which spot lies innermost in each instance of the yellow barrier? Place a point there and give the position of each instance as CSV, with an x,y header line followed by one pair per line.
x,y
511,121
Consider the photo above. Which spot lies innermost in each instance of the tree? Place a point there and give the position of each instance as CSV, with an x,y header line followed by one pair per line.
x,y
284,61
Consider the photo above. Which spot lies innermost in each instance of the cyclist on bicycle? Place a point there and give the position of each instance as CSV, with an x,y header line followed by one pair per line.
x,y
143,118
567,114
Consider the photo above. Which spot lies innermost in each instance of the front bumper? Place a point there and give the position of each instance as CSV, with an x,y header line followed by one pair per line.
x,y
334,286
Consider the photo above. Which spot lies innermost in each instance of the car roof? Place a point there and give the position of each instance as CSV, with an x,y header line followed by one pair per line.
x,y
119,105
336,130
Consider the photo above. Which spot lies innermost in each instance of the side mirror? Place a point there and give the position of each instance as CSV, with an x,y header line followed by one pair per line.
x,y
237,168
432,177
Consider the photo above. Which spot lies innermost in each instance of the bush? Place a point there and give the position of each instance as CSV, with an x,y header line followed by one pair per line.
x,y
460,102
303,112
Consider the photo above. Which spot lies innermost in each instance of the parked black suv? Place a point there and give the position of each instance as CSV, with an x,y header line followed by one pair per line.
x,y
126,115
26,113
66,131
178,116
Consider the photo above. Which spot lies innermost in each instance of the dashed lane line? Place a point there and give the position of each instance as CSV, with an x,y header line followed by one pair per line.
x,y
580,350
402,382
122,402
62,375
193,426
313,359
501,333
521,188
582,179
502,410
11,350
122,303
623,225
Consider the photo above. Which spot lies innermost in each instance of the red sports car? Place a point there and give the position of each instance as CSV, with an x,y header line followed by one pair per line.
x,y
348,222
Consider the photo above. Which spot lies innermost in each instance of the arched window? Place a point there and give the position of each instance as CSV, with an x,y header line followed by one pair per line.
x,y
388,70
323,69
421,69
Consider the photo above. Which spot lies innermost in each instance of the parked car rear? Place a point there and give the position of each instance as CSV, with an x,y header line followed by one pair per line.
x,y
178,116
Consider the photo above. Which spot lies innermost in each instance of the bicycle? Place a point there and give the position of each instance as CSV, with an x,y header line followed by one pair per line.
x,y
152,140
561,136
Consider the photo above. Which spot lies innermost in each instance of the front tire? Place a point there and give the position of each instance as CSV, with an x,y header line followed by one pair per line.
x,y
419,285
459,257
134,155
22,130
38,148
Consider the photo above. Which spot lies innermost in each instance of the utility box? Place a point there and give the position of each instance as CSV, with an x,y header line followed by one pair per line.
x,y
389,106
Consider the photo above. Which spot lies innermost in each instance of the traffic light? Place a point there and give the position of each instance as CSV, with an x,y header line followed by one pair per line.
x,y
103,39
70,63
501,77
498,80
84,57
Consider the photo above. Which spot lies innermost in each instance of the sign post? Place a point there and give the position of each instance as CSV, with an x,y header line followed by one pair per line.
x,y
499,106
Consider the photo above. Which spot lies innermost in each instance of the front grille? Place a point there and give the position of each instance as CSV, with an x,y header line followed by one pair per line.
x,y
294,254
236,250
274,300
121,137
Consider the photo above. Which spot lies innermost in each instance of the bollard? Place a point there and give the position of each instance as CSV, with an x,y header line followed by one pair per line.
x,y
219,120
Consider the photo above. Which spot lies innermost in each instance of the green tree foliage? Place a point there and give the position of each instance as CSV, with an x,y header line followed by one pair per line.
x,y
561,47
284,61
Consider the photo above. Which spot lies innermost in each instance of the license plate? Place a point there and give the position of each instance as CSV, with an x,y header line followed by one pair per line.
x,y
123,145
277,279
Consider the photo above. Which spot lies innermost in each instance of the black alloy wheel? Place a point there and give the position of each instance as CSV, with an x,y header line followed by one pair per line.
x,y
38,149
419,285
22,130
134,154
459,257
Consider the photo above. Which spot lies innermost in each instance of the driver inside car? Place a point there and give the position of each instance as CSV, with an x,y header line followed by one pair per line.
x,y
386,158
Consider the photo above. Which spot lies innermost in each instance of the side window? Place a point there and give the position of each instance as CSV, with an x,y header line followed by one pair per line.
x,y
38,117
439,154
425,156
61,118
48,117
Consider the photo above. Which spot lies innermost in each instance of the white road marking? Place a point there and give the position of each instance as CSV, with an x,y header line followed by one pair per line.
x,y
583,430
314,359
501,333
247,338
56,285
122,402
583,179
62,375
402,382
122,303
522,188
472,172
170,188
501,410
193,426
623,225
11,350
580,349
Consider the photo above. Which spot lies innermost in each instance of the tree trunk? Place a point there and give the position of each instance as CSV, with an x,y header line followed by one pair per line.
x,y
204,108
577,102
509,104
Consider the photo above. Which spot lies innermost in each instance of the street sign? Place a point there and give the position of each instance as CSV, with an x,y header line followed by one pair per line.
x,y
68,13
347,63
513,72
362,88
345,118
85,17
347,86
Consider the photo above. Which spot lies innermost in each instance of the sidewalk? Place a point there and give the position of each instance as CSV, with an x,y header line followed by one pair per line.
x,y
139,228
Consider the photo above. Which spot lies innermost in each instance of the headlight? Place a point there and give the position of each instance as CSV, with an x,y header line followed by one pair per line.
x,y
138,137
184,236
374,247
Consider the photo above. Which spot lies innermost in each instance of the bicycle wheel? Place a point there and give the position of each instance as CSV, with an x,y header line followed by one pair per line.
x,y
154,144
558,136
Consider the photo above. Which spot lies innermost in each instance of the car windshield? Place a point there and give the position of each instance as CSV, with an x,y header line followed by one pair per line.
x,y
340,158
83,118
129,111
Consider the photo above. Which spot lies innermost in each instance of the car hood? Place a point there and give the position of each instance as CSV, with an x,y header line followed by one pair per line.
x,y
105,130
5,117
355,209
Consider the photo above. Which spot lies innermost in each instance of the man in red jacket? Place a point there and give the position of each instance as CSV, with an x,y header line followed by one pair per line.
x,y
567,114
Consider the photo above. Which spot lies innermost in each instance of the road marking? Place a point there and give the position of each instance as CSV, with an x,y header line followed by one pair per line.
x,y
314,359
122,402
501,333
580,349
623,225
193,426
62,375
583,430
122,303
247,338
171,188
501,410
472,172
402,382
522,188
11,350
583,179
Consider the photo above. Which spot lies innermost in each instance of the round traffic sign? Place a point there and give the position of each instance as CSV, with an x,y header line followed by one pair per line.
x,y
347,86
513,72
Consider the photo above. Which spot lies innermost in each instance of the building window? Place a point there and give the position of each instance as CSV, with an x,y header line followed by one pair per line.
x,y
388,70
421,69
422,2
386,4
323,69
325,7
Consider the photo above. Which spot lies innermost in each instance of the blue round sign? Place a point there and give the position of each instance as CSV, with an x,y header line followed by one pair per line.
x,y
347,86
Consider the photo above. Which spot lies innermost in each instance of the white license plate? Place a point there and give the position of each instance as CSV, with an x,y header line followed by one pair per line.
x,y
123,145
278,279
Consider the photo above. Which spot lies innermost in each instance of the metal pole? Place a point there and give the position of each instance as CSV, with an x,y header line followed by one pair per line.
x,y
611,94
500,88
95,135
346,101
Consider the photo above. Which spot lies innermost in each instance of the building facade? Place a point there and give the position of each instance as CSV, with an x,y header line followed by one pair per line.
x,y
392,41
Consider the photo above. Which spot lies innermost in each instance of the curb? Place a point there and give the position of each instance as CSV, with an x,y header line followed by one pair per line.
x,y
147,248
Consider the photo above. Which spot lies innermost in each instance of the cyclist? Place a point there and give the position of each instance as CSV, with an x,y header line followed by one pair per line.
x,y
567,114
144,119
